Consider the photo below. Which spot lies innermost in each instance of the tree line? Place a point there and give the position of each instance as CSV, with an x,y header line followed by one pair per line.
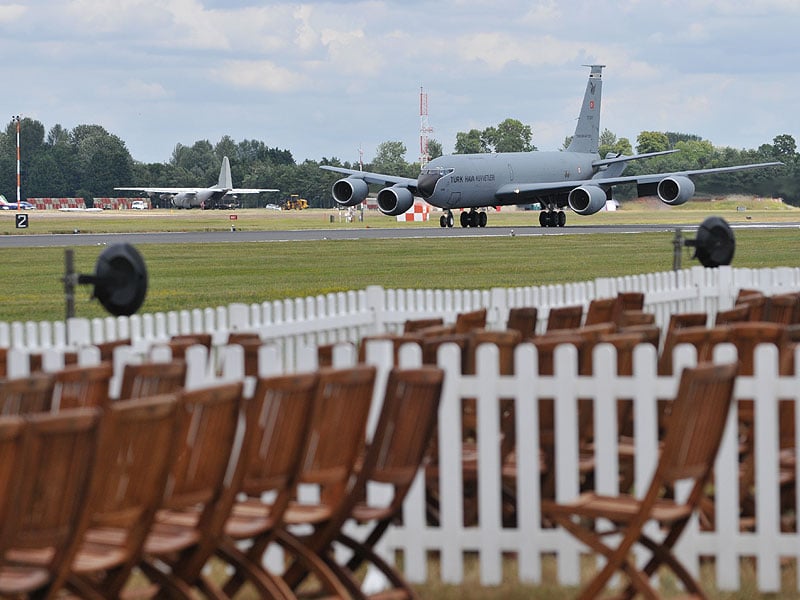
x,y
88,161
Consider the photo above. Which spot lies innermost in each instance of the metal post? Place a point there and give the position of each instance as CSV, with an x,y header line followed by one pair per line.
x,y
69,281
16,119
677,246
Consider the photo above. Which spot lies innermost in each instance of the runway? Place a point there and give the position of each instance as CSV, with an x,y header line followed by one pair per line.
x,y
238,236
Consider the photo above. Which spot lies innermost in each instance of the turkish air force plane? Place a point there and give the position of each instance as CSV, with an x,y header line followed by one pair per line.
x,y
576,178
216,196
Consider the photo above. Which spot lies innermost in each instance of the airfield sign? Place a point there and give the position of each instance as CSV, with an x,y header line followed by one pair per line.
x,y
22,220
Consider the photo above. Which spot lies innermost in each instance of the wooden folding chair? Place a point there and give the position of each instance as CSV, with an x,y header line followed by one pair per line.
x,y
330,428
755,300
523,319
44,519
393,457
138,441
192,511
3,363
27,395
699,414
77,386
152,379
276,429
564,317
334,445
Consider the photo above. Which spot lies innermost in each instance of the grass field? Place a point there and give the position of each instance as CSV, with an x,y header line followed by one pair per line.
x,y
201,275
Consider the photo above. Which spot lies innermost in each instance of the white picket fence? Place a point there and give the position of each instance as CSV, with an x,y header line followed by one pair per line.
x,y
291,330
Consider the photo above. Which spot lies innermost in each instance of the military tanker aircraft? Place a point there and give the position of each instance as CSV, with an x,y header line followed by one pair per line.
x,y
576,178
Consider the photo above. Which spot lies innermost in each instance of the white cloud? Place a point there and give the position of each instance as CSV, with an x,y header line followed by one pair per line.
x,y
12,12
260,75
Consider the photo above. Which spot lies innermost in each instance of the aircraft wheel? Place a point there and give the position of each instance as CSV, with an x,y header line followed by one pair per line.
x,y
473,219
562,218
450,220
464,218
482,218
543,218
443,221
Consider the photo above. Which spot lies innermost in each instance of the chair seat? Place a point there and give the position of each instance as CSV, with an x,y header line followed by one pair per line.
x,y
20,580
249,518
618,509
307,513
166,537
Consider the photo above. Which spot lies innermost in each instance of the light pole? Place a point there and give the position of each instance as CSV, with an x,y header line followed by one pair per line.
x,y
16,119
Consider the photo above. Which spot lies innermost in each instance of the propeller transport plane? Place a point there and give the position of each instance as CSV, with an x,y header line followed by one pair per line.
x,y
576,178
216,196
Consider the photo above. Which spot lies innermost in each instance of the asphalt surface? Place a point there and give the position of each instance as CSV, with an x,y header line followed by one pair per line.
x,y
210,237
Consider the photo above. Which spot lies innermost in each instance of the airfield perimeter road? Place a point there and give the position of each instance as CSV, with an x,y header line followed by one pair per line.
x,y
209,237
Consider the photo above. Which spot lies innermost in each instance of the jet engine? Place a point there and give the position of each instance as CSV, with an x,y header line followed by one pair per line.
x,y
675,190
587,199
395,200
350,191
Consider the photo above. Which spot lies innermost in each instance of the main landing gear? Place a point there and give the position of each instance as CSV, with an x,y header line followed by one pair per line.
x,y
473,218
552,218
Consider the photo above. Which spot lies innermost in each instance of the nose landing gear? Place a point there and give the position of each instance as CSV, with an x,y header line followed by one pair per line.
x,y
446,220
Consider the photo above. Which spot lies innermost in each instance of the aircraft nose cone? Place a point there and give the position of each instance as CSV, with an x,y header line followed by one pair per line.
x,y
426,183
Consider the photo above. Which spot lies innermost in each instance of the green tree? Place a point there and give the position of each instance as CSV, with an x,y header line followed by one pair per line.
x,y
434,149
470,142
390,158
509,136
651,141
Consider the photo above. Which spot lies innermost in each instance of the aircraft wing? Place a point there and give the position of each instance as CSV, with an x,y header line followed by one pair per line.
x,y
251,190
532,190
163,190
377,178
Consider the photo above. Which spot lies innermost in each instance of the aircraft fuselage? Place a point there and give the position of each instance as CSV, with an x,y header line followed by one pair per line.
x,y
472,180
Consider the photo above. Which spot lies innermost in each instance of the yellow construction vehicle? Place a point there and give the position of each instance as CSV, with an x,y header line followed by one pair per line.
x,y
295,202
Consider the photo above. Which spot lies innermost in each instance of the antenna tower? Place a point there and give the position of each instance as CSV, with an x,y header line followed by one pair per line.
x,y
424,128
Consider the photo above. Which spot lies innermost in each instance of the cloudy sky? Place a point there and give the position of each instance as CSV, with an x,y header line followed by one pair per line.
x,y
322,79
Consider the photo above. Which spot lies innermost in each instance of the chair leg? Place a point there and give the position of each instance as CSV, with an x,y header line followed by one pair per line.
x,y
366,553
269,585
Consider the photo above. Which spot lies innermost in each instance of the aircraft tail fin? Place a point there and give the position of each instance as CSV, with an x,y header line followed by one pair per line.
x,y
225,181
587,131
3,200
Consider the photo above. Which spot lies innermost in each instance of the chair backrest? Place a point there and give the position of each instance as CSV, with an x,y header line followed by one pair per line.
x,y
107,348
601,310
152,379
546,345
44,516
412,325
523,319
236,337
277,421
506,341
696,423
681,320
138,443
630,301
784,308
430,346
204,339
746,336
404,431
208,419
27,395
11,430
737,314
77,386
337,429
696,336
591,335
565,317
755,299
3,362
467,321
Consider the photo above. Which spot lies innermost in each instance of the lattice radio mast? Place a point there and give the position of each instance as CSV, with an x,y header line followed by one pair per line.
x,y
424,128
